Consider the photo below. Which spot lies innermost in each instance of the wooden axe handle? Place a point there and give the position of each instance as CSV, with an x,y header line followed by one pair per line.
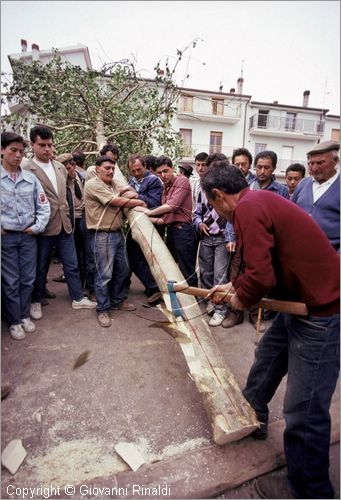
x,y
296,308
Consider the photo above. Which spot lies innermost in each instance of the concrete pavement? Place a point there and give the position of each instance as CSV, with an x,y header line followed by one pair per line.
x,y
134,387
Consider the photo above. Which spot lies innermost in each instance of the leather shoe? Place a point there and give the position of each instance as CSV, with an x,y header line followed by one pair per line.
x,y
48,294
253,320
234,318
124,306
270,486
261,433
154,298
104,319
60,279
44,301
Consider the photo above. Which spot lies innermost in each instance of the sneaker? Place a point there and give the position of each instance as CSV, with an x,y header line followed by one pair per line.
x,y
269,486
35,310
210,308
17,332
104,319
234,318
217,319
28,325
84,303
124,306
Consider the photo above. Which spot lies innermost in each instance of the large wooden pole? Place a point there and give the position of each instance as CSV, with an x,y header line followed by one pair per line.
x,y
230,415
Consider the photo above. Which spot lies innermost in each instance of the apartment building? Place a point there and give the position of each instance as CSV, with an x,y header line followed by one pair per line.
x,y
220,122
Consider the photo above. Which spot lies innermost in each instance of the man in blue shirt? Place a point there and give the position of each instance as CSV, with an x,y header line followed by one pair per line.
x,y
149,189
265,165
25,212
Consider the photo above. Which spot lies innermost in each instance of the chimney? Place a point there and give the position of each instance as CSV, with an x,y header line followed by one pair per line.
x,y
240,82
306,95
232,91
220,87
23,45
275,102
35,52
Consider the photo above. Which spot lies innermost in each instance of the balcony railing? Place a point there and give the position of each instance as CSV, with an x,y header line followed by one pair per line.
x,y
286,124
225,114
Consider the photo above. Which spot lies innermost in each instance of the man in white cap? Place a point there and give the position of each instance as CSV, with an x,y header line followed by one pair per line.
x,y
319,194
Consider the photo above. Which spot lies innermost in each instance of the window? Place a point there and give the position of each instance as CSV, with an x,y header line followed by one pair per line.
x,y
259,147
335,136
218,106
263,118
290,121
216,141
187,103
186,138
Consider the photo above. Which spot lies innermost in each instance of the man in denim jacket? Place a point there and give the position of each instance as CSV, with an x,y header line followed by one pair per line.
x,y
25,212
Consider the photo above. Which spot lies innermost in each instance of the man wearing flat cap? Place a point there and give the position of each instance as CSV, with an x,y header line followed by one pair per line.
x,y
319,194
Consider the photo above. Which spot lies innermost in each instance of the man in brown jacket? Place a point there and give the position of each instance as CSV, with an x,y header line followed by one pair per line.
x,y
52,176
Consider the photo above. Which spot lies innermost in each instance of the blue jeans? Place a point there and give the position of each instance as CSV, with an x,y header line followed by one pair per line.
x,y
18,271
213,264
65,245
182,245
307,349
112,270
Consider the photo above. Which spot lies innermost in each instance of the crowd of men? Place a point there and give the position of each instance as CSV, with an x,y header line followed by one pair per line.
x,y
227,228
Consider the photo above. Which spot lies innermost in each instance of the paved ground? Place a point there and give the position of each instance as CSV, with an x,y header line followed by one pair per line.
x,y
134,387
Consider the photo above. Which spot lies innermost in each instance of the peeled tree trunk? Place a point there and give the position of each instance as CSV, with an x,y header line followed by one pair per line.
x,y
230,415
100,136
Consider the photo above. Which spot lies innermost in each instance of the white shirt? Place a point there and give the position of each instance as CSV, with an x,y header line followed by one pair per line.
x,y
320,189
49,171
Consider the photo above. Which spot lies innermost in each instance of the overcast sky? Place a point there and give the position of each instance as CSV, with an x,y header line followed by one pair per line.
x,y
285,48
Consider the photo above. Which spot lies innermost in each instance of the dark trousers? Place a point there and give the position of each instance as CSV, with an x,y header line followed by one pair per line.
x,y
181,242
80,244
65,246
138,264
307,350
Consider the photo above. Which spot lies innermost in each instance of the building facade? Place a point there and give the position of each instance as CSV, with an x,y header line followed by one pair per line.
x,y
221,122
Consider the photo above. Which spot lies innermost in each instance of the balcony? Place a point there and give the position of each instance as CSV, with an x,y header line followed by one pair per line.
x,y
285,126
227,115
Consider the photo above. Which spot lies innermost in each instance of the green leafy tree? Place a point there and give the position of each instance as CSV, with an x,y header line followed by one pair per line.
x,y
88,109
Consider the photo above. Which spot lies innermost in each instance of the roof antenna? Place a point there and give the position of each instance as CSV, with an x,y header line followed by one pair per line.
x,y
241,69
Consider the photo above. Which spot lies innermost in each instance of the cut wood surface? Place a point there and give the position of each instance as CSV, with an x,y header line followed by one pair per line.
x,y
230,415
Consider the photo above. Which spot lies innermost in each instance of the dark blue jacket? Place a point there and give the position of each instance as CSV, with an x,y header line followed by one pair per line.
x,y
149,189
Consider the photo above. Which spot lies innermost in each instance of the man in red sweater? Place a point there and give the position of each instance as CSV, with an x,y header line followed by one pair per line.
x,y
286,253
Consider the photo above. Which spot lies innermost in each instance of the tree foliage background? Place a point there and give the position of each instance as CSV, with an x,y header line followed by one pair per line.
x,y
88,109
